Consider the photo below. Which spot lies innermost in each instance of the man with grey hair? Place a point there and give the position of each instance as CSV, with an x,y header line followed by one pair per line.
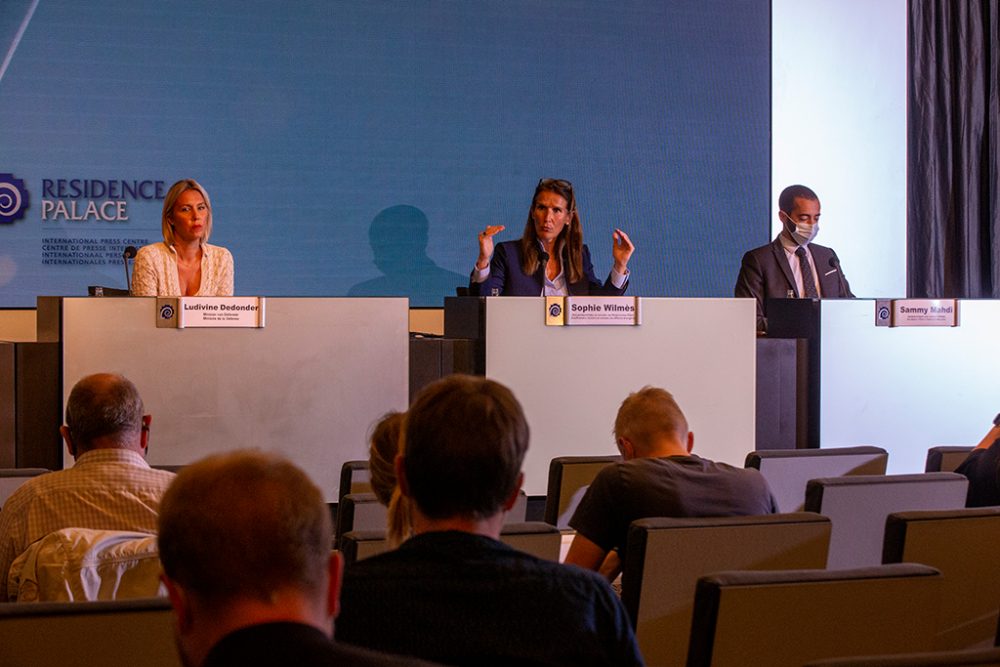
x,y
245,546
110,487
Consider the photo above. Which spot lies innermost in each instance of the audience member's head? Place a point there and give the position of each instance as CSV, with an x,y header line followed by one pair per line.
x,y
104,410
382,467
464,440
649,422
382,455
245,539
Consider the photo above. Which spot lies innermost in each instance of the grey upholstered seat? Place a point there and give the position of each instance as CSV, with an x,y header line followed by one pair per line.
x,y
12,478
787,471
534,537
569,477
962,544
666,557
89,634
858,507
976,658
788,617
945,458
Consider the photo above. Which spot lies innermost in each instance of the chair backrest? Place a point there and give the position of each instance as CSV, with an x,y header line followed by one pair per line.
x,y
537,538
569,477
88,634
534,537
358,545
355,477
962,544
519,512
12,478
666,557
978,658
787,471
858,507
360,511
787,617
74,564
945,458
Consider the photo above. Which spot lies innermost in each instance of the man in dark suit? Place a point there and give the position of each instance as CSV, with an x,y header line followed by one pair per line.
x,y
792,266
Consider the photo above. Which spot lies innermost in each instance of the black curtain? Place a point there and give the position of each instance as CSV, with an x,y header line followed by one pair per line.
x,y
953,223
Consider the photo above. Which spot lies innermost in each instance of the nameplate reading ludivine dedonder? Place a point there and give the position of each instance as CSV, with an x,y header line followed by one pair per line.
x,y
592,311
916,313
218,312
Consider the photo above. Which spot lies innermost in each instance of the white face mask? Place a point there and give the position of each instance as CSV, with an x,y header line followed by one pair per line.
x,y
802,233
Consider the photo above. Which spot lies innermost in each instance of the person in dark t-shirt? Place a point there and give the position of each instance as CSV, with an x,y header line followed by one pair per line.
x,y
659,477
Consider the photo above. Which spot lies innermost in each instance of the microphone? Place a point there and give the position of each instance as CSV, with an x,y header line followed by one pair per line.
x,y
127,254
835,265
543,261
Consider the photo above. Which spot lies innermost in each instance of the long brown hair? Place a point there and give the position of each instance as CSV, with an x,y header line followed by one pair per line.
x,y
570,239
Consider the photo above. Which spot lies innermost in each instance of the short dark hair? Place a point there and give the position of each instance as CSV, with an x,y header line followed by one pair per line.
x,y
244,524
464,440
103,405
786,200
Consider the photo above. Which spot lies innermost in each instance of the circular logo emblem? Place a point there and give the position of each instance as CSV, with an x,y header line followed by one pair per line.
x,y
14,198
555,310
883,313
166,311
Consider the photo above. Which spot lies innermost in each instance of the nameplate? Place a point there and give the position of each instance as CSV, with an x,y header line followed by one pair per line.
x,y
592,311
218,312
916,313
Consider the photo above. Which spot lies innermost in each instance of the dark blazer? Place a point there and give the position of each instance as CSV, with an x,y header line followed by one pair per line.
x,y
507,279
765,274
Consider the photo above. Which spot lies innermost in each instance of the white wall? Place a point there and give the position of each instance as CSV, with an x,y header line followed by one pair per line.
x,y
839,126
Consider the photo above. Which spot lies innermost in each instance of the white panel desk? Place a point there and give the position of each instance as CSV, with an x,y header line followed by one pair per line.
x,y
906,389
309,384
571,380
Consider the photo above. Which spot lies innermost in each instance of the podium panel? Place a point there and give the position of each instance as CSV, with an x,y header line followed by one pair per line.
x,y
571,380
308,385
906,389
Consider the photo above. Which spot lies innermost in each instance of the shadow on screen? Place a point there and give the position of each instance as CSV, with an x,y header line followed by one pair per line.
x,y
398,237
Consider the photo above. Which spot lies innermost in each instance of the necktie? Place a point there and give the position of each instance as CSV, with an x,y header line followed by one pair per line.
x,y
808,282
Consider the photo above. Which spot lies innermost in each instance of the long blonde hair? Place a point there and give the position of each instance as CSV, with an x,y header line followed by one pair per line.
x,y
385,446
175,191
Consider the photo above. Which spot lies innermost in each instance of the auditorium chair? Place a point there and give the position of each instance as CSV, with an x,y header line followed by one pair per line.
x,y
74,564
12,478
569,477
787,471
858,507
88,634
534,537
363,511
989,657
785,618
945,458
962,544
359,511
664,559
354,478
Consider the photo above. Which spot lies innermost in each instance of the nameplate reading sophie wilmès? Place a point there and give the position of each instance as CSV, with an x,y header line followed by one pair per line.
x,y
916,313
592,311
190,312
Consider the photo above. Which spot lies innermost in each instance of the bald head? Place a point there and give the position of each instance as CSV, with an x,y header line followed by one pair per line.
x,y
104,410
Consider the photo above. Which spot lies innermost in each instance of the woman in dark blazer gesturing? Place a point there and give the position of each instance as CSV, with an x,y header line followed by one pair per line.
x,y
550,258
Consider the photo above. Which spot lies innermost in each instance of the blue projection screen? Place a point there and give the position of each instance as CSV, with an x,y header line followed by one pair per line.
x,y
356,148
